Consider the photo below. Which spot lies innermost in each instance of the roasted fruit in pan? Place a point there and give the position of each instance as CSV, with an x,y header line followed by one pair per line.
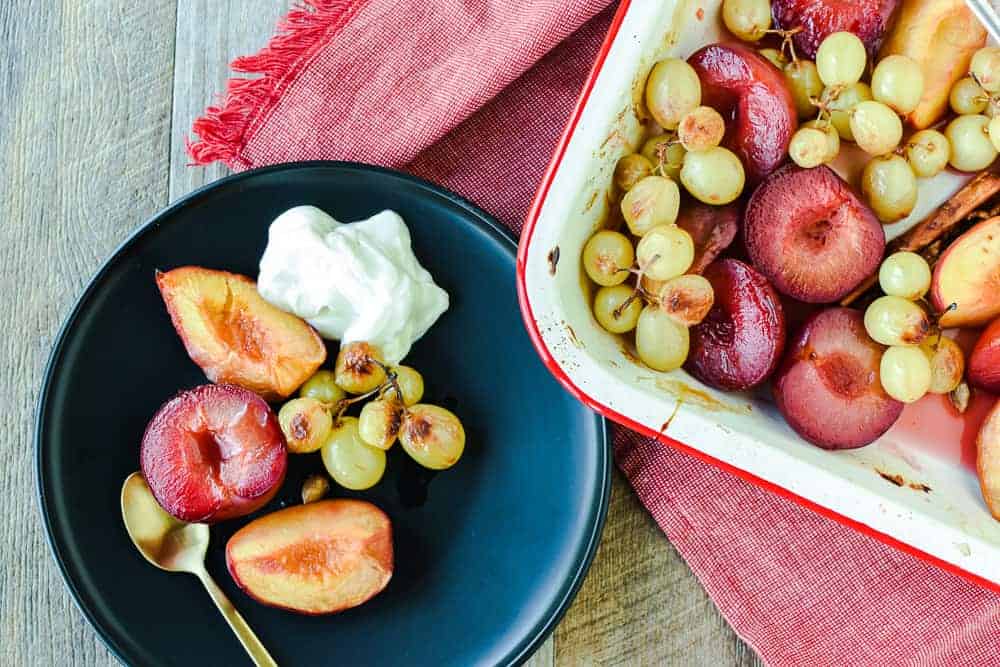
x,y
984,362
941,36
755,101
712,229
212,453
828,387
965,287
867,19
235,336
739,343
988,460
810,235
318,558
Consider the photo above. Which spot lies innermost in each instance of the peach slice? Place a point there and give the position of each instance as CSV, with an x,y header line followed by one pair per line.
x,y
235,336
988,460
941,36
968,276
319,558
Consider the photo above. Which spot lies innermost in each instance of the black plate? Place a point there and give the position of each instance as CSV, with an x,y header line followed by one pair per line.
x,y
488,554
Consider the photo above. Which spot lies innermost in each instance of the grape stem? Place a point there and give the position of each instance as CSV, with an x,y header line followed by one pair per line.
x,y
341,406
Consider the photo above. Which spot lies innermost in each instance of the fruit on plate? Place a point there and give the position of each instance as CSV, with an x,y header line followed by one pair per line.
x,y
359,367
965,287
318,558
828,386
805,85
810,235
875,127
841,59
754,99
607,257
988,460
351,462
898,82
687,299
212,453
748,20
940,36
664,252
712,229
617,308
235,336
433,436
652,201
714,175
631,169
306,424
893,320
661,341
928,152
984,362
840,102
739,343
905,373
905,274
867,19
967,96
701,128
985,68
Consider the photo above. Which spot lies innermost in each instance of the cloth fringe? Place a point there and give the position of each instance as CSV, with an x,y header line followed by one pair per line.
x,y
224,129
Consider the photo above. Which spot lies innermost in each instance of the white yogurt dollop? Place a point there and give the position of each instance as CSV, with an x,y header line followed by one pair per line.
x,y
352,282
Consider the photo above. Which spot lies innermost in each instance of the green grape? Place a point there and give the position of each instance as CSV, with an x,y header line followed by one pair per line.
x,y
898,82
905,373
993,129
662,343
947,363
379,422
747,19
687,299
672,90
432,436
306,424
664,252
971,148
876,128
607,257
631,169
358,367
967,96
776,57
411,383
610,314
804,83
890,187
653,201
841,101
832,137
841,59
985,66
893,320
349,461
323,387
701,128
672,150
905,274
928,151
809,147
714,175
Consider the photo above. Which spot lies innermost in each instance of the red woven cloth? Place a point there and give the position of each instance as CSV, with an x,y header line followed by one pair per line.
x,y
473,94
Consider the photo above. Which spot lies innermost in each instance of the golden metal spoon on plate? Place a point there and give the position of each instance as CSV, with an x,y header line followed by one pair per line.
x,y
176,546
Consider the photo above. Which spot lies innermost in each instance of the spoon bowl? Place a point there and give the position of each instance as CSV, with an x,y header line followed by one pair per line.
x,y
176,546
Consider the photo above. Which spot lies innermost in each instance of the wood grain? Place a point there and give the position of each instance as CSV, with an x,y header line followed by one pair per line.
x,y
84,124
95,100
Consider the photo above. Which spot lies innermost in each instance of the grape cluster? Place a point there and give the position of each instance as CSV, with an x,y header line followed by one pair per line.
x,y
353,448
918,359
830,91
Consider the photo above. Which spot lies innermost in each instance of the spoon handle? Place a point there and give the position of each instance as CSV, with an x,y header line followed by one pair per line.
x,y
254,648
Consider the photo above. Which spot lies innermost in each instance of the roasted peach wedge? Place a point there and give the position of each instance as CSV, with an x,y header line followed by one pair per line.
x,y
319,558
235,336
941,36
965,286
984,362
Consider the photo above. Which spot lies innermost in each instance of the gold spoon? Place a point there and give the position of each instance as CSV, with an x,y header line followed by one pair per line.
x,y
176,546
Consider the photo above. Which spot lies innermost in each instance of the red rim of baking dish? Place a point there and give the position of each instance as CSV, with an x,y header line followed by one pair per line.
x,y
536,338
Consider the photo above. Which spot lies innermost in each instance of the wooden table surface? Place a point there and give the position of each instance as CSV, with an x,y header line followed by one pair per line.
x,y
95,99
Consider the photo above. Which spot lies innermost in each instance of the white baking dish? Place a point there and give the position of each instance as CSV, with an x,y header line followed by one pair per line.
x,y
911,489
